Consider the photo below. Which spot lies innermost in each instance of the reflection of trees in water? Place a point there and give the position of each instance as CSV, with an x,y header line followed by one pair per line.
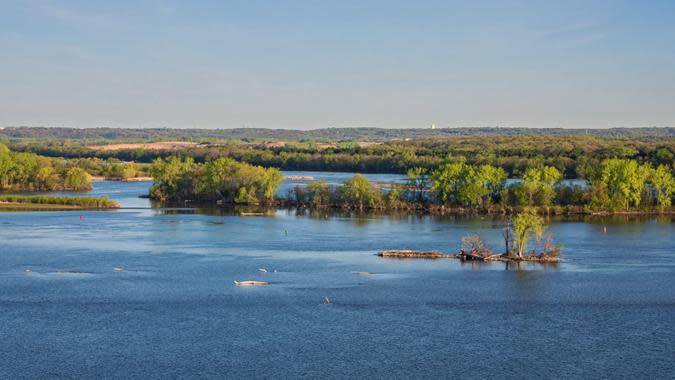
x,y
359,217
513,266
218,211
626,219
529,266
486,220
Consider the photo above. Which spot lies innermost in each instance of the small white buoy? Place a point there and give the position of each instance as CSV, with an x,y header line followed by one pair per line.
x,y
28,270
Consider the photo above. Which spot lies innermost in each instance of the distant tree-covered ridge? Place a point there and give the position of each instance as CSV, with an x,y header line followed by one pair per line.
x,y
332,134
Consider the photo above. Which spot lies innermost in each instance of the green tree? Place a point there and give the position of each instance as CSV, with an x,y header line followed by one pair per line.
x,y
173,178
6,167
526,225
358,192
319,193
129,170
625,181
467,184
539,184
446,181
270,181
417,182
664,184
24,170
77,179
47,179
489,181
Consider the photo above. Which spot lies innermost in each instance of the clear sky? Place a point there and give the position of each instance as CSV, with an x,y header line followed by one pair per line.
x,y
311,64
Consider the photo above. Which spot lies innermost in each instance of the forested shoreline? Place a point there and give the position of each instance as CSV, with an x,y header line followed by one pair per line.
x,y
616,185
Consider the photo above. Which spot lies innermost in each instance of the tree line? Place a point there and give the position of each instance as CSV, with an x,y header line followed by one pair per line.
x,y
573,156
615,185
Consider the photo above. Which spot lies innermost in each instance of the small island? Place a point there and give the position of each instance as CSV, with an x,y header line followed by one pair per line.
x,y
521,229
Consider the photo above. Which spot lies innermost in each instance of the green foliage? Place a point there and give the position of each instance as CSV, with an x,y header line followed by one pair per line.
x,y
47,178
539,185
574,156
227,179
624,181
319,193
664,185
489,182
447,181
417,182
222,179
473,174
468,185
173,178
358,192
77,179
526,226
29,172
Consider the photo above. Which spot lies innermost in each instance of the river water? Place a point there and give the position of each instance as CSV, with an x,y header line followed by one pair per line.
x,y
149,293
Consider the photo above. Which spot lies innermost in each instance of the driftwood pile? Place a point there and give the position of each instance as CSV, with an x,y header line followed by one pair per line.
x,y
464,255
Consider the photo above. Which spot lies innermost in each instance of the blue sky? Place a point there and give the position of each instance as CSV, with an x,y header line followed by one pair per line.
x,y
311,64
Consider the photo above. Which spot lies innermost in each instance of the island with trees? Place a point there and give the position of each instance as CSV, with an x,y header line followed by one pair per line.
x,y
28,172
520,231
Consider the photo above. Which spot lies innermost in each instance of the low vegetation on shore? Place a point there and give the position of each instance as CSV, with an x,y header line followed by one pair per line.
x,y
44,201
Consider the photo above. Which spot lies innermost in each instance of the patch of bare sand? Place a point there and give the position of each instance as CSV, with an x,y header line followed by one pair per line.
x,y
163,145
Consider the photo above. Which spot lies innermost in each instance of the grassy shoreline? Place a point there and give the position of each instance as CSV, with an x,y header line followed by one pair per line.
x,y
45,202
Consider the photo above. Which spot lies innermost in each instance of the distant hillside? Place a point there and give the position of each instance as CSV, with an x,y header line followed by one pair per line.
x,y
324,134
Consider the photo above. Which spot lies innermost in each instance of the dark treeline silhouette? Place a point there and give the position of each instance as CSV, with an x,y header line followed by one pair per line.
x,y
322,134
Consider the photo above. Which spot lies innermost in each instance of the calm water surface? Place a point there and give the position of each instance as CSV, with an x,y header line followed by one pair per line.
x,y
170,309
